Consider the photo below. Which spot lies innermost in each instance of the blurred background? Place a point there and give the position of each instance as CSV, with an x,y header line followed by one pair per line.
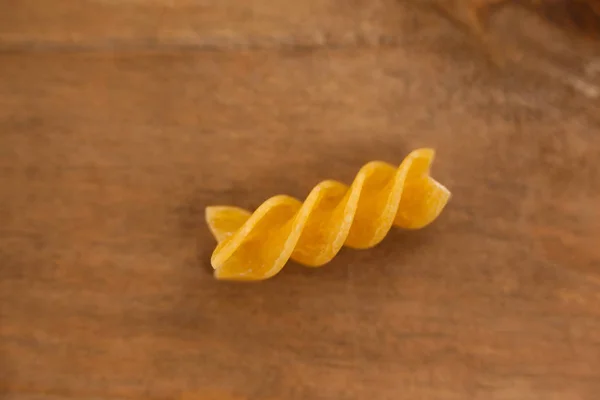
x,y
121,120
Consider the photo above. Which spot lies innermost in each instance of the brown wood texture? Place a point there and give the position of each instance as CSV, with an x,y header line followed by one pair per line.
x,y
108,158
190,21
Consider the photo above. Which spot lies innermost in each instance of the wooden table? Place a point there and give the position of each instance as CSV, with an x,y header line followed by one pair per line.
x,y
120,121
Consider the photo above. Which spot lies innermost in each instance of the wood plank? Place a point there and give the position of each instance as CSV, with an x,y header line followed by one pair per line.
x,y
204,22
108,160
160,25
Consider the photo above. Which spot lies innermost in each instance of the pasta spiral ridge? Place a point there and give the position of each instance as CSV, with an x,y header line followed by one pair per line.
x,y
256,246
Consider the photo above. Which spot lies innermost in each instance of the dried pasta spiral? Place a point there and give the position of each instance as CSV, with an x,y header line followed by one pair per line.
x,y
256,246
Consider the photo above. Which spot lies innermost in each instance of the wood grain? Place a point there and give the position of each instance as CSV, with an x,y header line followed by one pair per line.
x,y
107,161
98,22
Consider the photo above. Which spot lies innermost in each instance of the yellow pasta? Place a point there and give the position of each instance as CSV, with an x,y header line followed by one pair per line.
x,y
256,246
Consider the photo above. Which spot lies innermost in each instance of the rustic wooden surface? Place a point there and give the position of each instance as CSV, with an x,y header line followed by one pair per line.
x,y
110,151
